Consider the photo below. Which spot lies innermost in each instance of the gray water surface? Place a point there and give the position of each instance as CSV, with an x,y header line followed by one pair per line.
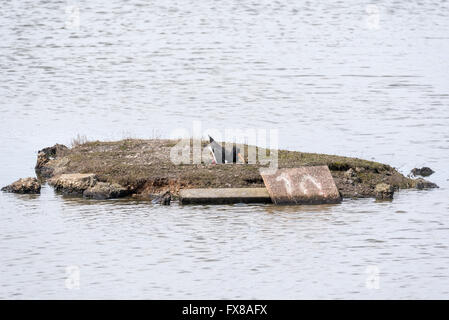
x,y
338,77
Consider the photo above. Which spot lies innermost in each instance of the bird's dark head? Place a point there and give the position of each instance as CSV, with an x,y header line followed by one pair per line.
x,y
210,139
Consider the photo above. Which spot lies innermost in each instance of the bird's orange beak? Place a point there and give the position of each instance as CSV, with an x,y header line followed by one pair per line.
x,y
241,158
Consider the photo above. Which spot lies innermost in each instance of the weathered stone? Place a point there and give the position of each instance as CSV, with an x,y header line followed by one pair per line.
x,y
423,172
46,155
73,184
350,173
104,190
26,185
53,168
351,176
384,191
224,196
421,184
360,169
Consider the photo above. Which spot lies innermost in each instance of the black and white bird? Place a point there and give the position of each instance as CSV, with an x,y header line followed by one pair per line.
x,y
221,155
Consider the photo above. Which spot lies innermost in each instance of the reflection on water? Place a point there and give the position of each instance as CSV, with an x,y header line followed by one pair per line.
x,y
332,77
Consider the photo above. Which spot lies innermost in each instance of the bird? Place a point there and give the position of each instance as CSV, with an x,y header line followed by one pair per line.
x,y
221,155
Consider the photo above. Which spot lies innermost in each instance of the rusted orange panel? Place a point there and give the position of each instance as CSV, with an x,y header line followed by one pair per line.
x,y
304,185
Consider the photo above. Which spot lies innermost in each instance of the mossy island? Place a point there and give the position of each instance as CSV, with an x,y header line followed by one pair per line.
x,y
143,169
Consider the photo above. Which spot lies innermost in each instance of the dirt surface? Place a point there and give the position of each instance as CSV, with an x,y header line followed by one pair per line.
x,y
144,168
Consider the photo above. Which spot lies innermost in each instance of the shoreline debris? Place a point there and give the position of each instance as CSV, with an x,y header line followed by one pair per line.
x,y
163,199
384,191
303,185
24,186
423,172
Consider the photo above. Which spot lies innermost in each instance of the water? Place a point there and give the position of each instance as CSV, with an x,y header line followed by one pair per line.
x,y
334,77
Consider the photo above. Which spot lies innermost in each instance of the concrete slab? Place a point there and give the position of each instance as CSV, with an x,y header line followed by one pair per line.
x,y
304,185
224,196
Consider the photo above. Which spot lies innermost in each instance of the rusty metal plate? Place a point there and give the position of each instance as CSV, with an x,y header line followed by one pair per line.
x,y
304,185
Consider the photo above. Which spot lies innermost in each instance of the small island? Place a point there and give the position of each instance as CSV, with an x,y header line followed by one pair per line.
x,y
142,169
